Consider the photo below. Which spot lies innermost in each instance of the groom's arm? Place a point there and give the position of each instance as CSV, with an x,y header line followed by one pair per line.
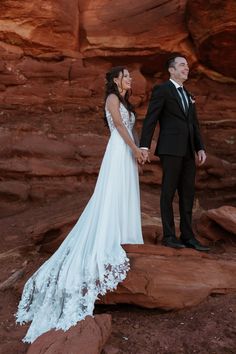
x,y
198,142
153,113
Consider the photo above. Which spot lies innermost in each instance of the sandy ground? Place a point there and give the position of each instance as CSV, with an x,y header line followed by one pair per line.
x,y
209,328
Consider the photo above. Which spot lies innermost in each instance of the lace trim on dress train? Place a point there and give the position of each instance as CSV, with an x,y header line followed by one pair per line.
x,y
52,307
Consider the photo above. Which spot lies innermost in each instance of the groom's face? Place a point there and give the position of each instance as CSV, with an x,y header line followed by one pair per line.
x,y
180,70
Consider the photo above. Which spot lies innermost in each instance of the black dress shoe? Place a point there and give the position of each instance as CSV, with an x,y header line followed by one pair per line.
x,y
172,242
194,243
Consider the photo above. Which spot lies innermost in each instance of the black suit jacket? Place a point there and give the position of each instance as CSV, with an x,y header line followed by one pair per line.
x,y
177,128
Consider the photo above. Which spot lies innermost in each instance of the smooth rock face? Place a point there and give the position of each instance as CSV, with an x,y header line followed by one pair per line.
x,y
87,337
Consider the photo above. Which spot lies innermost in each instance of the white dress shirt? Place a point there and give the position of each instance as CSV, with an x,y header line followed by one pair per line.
x,y
177,86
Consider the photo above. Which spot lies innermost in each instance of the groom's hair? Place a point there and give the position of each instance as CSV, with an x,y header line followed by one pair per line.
x,y
170,63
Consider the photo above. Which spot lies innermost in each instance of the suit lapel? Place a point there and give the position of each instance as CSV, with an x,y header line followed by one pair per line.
x,y
177,97
189,101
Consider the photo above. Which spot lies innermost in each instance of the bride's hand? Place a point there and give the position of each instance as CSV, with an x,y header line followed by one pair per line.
x,y
146,155
139,156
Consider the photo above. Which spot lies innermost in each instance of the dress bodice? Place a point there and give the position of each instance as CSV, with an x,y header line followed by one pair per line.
x,y
128,119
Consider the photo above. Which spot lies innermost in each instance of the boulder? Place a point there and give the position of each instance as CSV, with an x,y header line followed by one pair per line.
x,y
87,337
217,224
225,216
169,279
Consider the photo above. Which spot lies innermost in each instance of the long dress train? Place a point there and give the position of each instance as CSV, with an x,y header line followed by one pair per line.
x,y
90,261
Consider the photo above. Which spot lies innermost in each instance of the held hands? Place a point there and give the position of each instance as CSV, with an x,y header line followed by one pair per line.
x,y
201,157
141,156
138,155
146,157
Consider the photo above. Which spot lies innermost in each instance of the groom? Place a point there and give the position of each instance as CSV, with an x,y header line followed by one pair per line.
x,y
173,107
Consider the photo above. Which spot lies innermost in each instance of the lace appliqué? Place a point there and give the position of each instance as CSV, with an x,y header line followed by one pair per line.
x,y
127,118
48,304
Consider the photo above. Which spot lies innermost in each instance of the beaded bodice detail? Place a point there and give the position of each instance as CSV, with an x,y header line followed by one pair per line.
x,y
128,119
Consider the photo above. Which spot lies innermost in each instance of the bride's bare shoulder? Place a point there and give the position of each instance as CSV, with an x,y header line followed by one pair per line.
x,y
112,101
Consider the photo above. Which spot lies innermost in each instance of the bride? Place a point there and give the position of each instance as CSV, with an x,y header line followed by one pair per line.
x,y
91,261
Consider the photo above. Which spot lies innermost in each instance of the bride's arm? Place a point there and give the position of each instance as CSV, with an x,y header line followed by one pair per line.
x,y
113,105
136,138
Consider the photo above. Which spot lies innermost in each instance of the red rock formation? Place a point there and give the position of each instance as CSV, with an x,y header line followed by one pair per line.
x,y
53,56
218,224
87,337
40,29
225,217
212,25
169,279
133,29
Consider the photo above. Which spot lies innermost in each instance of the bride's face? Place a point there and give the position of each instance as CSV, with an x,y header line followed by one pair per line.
x,y
124,81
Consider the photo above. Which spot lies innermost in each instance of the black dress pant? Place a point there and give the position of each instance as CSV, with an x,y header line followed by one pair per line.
x,y
178,174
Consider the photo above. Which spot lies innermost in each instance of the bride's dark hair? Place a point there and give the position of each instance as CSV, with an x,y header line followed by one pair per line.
x,y
111,87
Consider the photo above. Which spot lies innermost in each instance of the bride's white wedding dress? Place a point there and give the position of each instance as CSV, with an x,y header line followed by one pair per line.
x,y
90,261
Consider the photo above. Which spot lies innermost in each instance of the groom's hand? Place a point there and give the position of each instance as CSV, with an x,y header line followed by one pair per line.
x,y
145,154
201,157
138,153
